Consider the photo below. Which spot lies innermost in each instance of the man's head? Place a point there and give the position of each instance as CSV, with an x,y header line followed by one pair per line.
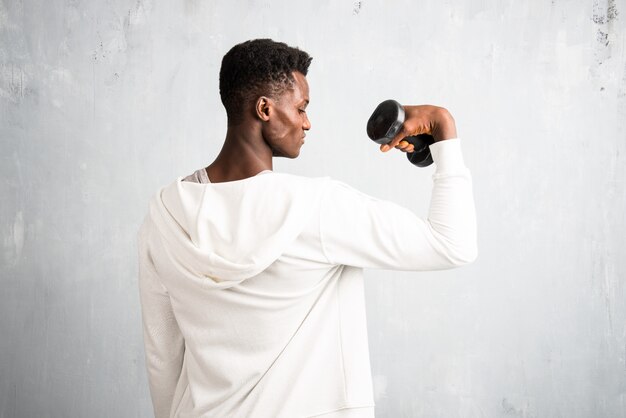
x,y
260,67
264,81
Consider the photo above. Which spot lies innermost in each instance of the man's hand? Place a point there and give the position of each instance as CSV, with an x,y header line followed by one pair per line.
x,y
423,119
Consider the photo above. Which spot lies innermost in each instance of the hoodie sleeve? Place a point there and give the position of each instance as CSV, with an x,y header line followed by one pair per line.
x,y
363,231
163,341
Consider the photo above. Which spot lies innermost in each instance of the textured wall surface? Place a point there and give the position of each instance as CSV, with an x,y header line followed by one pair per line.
x,y
102,102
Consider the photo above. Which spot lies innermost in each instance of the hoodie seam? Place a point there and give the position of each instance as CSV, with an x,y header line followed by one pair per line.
x,y
148,262
343,359
320,221
343,408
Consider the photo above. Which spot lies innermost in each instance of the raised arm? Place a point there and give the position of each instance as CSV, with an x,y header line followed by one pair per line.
x,y
360,230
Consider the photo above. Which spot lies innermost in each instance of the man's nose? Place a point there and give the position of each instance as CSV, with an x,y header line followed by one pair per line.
x,y
307,124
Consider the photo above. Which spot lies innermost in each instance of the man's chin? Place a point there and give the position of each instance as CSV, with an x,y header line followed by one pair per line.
x,y
291,157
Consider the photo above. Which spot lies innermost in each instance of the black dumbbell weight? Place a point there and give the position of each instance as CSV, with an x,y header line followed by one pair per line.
x,y
386,122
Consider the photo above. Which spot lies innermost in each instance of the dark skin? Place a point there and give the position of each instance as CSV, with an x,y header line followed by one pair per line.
x,y
276,127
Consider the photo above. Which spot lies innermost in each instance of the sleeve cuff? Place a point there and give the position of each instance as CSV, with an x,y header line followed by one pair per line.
x,y
447,156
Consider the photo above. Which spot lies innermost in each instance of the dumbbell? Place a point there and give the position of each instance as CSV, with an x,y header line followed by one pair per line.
x,y
386,122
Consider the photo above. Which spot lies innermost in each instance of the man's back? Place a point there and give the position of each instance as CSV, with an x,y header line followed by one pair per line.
x,y
272,344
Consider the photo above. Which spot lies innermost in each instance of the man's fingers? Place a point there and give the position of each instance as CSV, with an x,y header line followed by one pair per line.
x,y
399,137
403,145
403,133
400,146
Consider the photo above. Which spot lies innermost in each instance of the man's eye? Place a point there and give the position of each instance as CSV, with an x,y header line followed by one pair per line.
x,y
302,110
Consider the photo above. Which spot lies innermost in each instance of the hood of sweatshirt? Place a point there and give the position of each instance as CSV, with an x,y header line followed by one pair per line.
x,y
225,233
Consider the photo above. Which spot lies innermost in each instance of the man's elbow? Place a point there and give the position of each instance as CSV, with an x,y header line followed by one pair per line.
x,y
457,246
461,255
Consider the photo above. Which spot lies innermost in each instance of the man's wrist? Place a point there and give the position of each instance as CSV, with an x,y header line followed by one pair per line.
x,y
447,156
445,127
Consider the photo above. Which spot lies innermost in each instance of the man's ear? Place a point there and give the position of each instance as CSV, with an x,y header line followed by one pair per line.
x,y
263,108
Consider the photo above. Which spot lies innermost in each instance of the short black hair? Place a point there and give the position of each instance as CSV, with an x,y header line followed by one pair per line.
x,y
258,67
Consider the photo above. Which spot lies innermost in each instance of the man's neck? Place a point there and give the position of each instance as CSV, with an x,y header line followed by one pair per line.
x,y
244,154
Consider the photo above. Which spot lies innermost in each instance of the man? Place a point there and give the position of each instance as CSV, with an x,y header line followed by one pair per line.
x,y
251,281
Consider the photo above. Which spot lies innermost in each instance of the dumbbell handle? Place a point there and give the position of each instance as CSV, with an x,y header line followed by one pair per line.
x,y
420,156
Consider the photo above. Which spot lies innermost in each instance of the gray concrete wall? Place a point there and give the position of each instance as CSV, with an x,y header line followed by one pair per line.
x,y
102,102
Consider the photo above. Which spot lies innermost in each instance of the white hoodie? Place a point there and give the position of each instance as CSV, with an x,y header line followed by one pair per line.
x,y
252,290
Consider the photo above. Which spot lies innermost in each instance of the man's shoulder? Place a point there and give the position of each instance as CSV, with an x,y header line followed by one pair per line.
x,y
329,184
288,178
334,191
